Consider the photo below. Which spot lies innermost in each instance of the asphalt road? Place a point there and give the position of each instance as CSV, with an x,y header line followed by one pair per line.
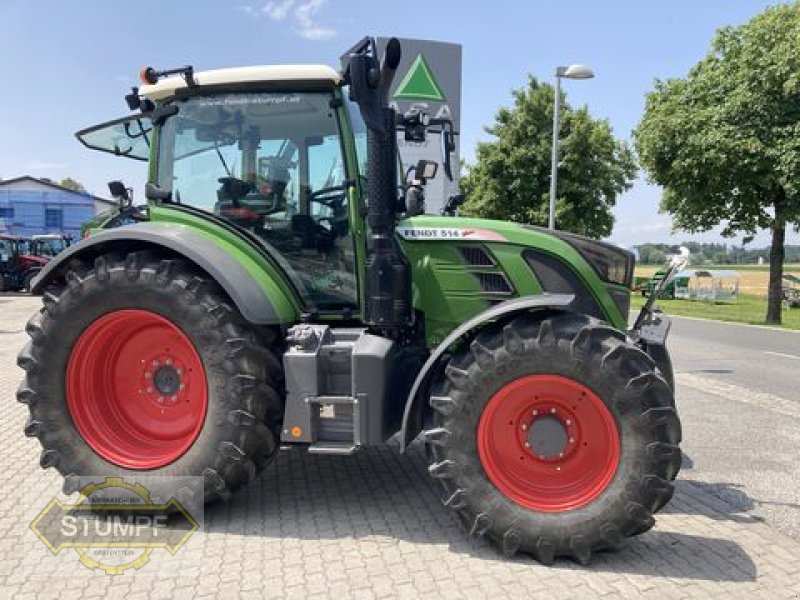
x,y
766,359
738,395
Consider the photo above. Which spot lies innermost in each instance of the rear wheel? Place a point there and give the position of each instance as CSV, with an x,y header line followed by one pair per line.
x,y
139,366
553,436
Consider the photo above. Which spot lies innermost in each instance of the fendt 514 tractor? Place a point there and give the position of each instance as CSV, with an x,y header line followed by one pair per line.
x,y
274,294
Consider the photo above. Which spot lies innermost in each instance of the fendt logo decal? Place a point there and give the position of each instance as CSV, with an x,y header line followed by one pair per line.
x,y
449,233
419,83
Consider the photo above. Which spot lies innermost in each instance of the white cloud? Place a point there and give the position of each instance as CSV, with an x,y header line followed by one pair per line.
x,y
277,11
303,13
43,165
306,16
317,33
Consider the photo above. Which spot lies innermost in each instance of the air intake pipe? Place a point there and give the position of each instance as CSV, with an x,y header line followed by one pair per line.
x,y
388,275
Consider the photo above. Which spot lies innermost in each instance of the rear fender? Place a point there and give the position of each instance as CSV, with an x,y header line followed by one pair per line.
x,y
416,404
258,301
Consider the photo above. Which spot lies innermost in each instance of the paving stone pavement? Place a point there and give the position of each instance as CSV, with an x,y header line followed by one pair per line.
x,y
370,526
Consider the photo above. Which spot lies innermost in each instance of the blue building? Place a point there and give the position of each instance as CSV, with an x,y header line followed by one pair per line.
x,y
31,206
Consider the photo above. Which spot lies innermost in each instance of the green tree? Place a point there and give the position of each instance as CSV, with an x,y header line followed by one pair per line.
x,y
724,142
71,184
511,178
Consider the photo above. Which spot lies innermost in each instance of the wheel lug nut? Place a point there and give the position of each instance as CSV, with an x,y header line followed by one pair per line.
x,y
527,444
174,399
571,440
535,412
179,371
524,427
168,361
553,411
568,422
149,390
148,375
183,386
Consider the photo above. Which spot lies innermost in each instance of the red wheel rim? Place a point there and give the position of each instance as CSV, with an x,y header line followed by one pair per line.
x,y
548,443
136,389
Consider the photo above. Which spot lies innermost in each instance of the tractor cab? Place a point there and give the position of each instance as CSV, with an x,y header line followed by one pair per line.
x,y
49,245
283,162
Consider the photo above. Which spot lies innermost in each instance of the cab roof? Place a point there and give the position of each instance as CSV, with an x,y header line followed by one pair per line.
x,y
167,86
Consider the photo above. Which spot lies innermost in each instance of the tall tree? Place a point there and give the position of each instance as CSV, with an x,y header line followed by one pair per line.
x,y
71,184
724,142
511,178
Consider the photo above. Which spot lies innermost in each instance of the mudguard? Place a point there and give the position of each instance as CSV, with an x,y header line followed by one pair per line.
x,y
527,303
242,287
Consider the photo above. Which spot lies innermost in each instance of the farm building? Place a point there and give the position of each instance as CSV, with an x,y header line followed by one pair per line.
x,y
709,286
31,206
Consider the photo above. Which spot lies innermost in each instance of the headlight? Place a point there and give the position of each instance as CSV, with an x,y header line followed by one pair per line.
x,y
612,264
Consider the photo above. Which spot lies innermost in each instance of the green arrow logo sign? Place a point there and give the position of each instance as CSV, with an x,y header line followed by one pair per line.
x,y
419,83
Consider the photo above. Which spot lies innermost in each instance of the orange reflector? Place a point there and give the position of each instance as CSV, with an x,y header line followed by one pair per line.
x,y
297,431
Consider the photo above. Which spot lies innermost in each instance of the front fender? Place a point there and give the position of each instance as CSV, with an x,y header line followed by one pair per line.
x,y
258,299
414,407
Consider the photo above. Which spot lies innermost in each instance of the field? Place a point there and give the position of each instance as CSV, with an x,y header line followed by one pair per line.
x,y
749,309
754,277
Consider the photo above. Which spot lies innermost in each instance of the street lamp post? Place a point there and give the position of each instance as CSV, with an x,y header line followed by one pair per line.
x,y
570,72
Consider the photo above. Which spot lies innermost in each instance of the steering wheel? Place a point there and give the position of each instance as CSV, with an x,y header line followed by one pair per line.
x,y
329,196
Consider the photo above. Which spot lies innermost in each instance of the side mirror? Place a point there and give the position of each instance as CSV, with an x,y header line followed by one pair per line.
x,y
120,193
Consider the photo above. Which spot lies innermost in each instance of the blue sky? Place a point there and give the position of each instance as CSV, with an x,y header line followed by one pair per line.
x,y
67,65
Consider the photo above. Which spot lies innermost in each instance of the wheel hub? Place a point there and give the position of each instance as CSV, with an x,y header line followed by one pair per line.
x,y
163,380
547,438
548,443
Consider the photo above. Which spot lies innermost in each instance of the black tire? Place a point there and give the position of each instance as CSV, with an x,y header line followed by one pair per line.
x,y
584,350
244,376
26,282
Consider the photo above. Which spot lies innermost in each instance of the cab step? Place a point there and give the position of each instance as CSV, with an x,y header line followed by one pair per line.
x,y
338,448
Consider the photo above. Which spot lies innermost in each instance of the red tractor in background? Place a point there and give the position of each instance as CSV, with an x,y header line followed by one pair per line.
x,y
18,266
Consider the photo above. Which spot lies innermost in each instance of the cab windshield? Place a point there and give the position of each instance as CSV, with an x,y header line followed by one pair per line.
x,y
47,246
273,164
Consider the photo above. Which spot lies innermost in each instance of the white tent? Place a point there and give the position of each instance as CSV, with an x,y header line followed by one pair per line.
x,y
707,285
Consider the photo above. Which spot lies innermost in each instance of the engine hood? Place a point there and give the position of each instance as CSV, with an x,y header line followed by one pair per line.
x,y
29,260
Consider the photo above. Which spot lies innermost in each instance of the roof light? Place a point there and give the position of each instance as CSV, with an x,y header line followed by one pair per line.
x,y
148,75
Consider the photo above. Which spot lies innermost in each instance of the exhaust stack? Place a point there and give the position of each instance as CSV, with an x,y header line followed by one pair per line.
x,y
388,275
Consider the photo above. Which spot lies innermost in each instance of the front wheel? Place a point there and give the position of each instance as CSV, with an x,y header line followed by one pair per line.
x,y
553,436
138,365
26,282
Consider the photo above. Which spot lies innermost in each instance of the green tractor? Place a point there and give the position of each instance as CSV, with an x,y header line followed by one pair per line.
x,y
274,294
